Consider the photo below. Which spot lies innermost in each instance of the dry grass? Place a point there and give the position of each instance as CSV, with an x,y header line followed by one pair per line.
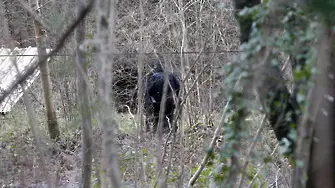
x,y
18,154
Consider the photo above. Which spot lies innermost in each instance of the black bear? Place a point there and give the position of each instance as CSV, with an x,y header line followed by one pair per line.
x,y
153,93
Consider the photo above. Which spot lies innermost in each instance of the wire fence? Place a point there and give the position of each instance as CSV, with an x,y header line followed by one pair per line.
x,y
148,53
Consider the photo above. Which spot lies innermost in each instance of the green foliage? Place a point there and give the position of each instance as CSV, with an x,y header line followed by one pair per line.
x,y
203,180
219,173
130,159
173,176
95,182
251,172
326,8
295,35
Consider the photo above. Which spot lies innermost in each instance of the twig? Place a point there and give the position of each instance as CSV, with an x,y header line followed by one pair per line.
x,y
196,59
140,66
164,152
251,149
285,64
277,177
132,115
211,147
171,151
260,168
60,44
174,128
214,138
159,129
191,88
36,17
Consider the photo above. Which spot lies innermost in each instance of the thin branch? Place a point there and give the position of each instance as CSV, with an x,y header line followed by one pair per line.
x,y
260,168
285,64
159,131
83,97
277,177
164,152
251,149
36,17
211,147
212,144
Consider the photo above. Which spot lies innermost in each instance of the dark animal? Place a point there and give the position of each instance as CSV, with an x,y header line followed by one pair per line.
x,y
153,95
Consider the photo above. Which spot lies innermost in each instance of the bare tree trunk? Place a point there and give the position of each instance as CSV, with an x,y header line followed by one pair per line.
x,y
68,97
45,76
318,124
322,167
184,61
140,105
105,29
161,180
84,102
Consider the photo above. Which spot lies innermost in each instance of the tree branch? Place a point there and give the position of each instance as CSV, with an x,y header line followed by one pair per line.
x,y
213,141
36,17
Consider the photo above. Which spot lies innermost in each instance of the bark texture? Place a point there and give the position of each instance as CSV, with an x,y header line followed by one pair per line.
x,y
83,97
45,75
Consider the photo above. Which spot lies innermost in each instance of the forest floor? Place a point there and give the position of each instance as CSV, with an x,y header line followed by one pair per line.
x,y
20,164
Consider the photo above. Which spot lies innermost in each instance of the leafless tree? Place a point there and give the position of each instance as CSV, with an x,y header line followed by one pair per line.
x,y
45,75
315,143
140,106
83,97
105,37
